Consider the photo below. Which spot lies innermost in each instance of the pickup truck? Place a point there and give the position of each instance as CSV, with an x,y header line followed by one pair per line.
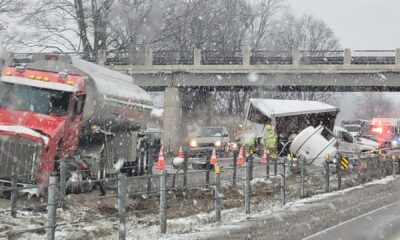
x,y
207,138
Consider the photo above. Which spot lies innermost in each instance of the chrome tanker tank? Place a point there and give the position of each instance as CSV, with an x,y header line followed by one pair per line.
x,y
112,100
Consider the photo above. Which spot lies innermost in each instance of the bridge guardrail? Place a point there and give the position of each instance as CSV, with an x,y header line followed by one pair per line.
x,y
245,57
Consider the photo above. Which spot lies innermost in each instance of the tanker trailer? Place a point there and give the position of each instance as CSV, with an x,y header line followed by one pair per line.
x,y
61,107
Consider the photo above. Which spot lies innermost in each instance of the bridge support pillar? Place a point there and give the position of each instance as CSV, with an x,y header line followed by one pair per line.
x,y
197,57
172,119
246,56
102,57
149,57
9,60
347,56
296,57
397,58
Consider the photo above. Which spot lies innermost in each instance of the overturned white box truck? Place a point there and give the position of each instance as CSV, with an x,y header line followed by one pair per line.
x,y
304,128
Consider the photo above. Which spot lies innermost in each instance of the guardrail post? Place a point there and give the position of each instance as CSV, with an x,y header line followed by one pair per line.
x,y
379,165
339,173
302,163
150,169
296,57
197,57
397,58
247,189
121,205
217,193
394,165
149,57
63,178
51,208
251,162
246,56
163,202
185,170
235,155
14,190
347,56
9,60
267,165
208,169
283,189
102,57
284,166
276,167
326,176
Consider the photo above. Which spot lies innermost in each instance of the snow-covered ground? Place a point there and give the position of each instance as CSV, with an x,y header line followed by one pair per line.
x,y
147,227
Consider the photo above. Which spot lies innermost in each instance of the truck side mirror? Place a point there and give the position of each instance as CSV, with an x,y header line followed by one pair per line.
x,y
79,104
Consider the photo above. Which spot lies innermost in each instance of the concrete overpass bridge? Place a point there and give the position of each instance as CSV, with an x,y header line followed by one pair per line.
x,y
376,70
172,71
346,70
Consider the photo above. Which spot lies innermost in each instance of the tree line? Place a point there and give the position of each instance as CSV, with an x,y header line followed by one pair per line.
x,y
129,26
181,25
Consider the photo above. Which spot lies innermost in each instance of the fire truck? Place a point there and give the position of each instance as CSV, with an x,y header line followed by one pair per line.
x,y
386,131
60,108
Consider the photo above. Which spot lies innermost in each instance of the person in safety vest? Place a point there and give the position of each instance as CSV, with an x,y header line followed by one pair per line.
x,y
270,139
238,132
247,139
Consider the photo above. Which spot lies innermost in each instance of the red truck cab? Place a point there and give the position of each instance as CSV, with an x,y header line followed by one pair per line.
x,y
40,120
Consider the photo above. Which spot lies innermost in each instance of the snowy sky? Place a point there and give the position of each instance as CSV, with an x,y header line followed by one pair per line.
x,y
359,24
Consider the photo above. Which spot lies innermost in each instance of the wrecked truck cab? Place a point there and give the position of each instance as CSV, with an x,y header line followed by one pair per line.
x,y
315,144
289,118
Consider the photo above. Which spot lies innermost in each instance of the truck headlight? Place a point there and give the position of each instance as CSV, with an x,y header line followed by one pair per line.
x,y
394,143
218,143
234,146
193,143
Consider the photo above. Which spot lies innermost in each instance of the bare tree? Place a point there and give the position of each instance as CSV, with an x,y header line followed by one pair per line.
x,y
8,7
372,105
262,13
73,25
11,6
306,33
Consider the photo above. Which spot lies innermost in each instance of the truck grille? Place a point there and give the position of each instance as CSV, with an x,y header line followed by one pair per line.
x,y
27,155
206,144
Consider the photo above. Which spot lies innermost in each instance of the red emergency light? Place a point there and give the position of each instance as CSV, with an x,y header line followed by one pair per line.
x,y
377,130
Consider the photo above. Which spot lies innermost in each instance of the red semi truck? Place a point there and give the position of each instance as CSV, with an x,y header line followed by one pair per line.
x,y
61,107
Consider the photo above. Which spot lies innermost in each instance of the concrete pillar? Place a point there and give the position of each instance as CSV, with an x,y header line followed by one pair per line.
x,y
172,135
9,60
347,56
397,58
197,57
149,57
296,57
246,56
102,57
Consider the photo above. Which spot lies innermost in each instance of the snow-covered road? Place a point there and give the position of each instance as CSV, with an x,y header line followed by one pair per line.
x,y
306,217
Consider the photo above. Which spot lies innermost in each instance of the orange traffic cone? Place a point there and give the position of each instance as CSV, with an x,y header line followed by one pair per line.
x,y
213,159
264,159
161,162
240,160
180,153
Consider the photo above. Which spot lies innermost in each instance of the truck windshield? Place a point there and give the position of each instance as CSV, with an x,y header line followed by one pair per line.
x,y
33,99
211,132
352,128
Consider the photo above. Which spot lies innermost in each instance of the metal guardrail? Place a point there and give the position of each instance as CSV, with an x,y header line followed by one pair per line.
x,y
230,183
265,57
